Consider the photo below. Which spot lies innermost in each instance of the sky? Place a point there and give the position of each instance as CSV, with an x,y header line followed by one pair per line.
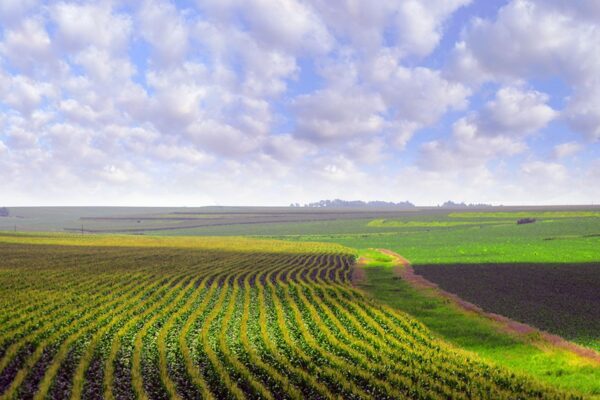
x,y
269,102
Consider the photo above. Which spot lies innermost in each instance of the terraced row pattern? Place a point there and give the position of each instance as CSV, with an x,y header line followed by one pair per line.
x,y
264,319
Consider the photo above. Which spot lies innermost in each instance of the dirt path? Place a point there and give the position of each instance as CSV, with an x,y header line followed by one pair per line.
x,y
358,275
543,340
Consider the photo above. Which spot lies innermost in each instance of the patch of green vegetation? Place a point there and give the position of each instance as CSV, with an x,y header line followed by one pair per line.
x,y
524,214
476,334
394,223
572,240
375,258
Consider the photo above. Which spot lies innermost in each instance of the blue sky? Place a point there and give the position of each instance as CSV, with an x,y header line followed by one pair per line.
x,y
267,102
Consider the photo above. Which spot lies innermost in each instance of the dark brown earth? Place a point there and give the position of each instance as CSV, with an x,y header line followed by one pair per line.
x,y
560,298
530,286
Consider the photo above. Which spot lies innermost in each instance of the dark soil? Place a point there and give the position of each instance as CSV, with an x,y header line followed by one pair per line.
x,y
94,376
63,382
36,374
11,370
563,299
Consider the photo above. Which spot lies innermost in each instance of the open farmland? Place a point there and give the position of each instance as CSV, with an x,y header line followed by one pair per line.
x,y
125,317
559,298
568,237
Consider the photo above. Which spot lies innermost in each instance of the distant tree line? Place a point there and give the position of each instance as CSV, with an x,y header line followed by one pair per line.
x,y
451,204
4,212
338,203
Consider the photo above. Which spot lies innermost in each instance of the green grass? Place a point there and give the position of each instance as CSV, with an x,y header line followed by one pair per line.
x,y
572,240
524,214
476,334
395,223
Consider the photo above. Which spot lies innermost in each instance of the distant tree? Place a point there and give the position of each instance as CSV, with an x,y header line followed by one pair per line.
x,y
4,212
451,204
338,203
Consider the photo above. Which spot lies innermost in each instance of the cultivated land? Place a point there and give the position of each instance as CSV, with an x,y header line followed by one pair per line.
x,y
316,322
118,317
559,298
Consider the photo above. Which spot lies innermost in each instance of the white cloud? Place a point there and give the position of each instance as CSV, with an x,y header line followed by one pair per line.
x,y
567,149
497,130
287,148
583,112
515,112
419,23
27,44
134,100
286,25
165,30
545,172
94,24
533,38
338,169
415,97
331,115
23,94
12,11
413,27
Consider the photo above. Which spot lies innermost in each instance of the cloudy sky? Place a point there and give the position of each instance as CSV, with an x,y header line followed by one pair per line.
x,y
267,102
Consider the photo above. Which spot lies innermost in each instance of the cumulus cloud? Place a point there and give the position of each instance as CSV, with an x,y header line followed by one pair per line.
x,y
412,27
565,150
287,25
330,115
534,38
27,44
94,24
419,23
119,100
415,97
515,112
165,29
547,172
497,130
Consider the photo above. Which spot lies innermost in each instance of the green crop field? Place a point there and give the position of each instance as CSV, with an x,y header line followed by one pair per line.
x,y
440,239
267,309
136,317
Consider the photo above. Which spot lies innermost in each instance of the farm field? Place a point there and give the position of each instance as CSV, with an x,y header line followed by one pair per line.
x,y
148,317
179,220
427,239
436,239
563,299
299,199
469,331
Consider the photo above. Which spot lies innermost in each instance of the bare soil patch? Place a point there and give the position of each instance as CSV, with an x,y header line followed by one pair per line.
x,y
358,274
527,332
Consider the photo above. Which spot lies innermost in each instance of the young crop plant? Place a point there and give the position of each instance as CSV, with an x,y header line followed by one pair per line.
x,y
115,317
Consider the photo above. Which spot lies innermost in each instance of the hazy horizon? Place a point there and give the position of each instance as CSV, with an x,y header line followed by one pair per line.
x,y
195,103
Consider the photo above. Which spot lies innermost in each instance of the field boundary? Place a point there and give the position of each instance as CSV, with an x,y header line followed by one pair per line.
x,y
537,337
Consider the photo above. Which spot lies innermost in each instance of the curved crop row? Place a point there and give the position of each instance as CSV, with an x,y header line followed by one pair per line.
x,y
220,318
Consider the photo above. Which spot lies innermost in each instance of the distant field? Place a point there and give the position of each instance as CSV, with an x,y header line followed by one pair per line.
x,y
525,214
568,240
393,223
178,220
149,317
272,221
559,298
